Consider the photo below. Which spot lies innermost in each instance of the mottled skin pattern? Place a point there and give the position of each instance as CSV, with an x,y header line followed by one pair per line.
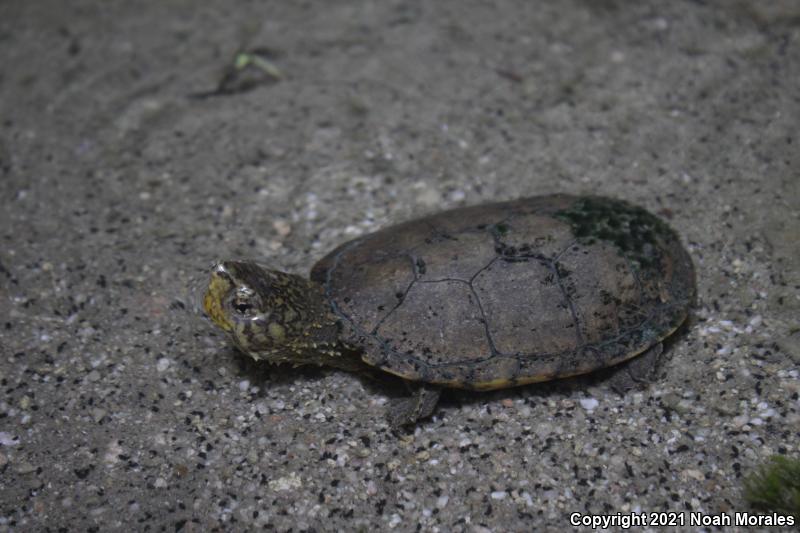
x,y
482,297
275,316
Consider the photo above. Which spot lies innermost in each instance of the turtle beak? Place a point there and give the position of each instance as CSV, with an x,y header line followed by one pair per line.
x,y
219,286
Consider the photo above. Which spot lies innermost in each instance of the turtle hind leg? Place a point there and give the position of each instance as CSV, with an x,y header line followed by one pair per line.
x,y
421,404
637,372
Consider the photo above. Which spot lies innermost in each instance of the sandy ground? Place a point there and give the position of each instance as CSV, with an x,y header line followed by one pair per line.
x,y
132,156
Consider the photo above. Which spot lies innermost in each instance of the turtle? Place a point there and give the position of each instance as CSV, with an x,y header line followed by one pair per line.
x,y
483,297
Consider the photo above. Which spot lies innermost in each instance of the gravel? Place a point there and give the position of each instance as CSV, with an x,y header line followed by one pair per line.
x,y
125,173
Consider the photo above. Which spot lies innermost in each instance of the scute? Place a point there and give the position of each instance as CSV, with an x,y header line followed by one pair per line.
x,y
512,292
525,307
434,317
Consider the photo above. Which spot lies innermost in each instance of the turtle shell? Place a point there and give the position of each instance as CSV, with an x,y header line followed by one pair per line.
x,y
510,293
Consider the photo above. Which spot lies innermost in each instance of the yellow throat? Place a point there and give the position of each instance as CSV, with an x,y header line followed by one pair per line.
x,y
212,301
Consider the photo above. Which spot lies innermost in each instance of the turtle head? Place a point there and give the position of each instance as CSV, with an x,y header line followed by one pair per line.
x,y
269,314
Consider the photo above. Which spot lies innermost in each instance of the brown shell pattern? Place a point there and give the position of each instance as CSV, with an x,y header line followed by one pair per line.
x,y
509,293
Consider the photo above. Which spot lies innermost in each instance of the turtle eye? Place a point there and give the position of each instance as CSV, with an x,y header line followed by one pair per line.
x,y
242,303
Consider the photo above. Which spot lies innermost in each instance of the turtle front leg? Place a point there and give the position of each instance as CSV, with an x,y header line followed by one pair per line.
x,y
421,404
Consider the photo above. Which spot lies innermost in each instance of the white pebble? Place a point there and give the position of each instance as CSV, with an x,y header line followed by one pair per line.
x,y
290,482
590,404
113,451
457,196
163,364
527,497
740,420
429,197
6,439
281,227
244,385
499,495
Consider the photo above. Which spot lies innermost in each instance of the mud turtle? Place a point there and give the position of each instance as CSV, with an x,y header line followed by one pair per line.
x,y
483,297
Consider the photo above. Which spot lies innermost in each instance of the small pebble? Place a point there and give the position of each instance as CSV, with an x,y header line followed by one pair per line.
x,y
590,404
290,482
429,197
693,474
740,420
113,452
281,227
24,468
6,439
457,195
